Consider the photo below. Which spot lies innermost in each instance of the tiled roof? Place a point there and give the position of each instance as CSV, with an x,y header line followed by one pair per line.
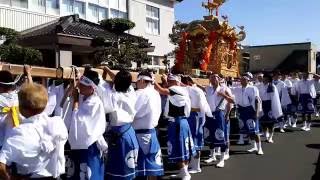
x,y
72,25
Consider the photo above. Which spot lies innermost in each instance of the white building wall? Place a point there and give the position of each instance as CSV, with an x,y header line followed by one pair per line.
x,y
21,18
137,14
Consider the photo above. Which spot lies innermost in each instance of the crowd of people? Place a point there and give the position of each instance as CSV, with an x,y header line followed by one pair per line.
x,y
90,128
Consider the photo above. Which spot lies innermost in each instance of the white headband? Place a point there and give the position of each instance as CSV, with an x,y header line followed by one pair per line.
x,y
87,82
147,78
12,83
172,77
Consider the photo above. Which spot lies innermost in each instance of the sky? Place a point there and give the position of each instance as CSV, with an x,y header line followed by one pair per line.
x,y
265,21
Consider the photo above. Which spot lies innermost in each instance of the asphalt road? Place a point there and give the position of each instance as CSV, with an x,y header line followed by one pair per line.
x,y
293,156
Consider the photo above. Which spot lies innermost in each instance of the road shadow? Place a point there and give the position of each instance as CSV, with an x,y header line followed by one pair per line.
x,y
233,153
313,146
316,175
317,125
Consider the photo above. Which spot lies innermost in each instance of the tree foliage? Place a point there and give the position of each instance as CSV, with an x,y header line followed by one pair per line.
x,y
12,53
122,57
10,35
177,30
121,51
15,54
117,25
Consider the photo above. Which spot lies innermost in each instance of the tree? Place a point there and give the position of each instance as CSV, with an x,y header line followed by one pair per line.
x,y
117,25
177,29
124,49
12,53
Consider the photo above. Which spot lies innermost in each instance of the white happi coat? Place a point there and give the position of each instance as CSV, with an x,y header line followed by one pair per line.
x,y
181,99
247,96
37,146
215,101
88,123
148,108
120,106
58,93
306,87
199,101
7,100
294,82
52,100
283,93
274,97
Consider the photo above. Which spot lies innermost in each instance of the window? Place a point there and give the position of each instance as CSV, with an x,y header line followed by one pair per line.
x,y
93,13
104,3
19,3
103,14
52,7
96,13
155,60
118,14
67,7
153,20
118,9
37,5
79,8
5,2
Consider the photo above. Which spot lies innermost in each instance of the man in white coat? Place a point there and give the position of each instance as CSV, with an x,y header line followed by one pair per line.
x,y
148,110
39,157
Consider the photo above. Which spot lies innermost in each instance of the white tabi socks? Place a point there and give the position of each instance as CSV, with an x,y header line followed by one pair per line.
x,y
212,157
195,166
241,140
270,139
294,122
267,135
260,152
254,148
282,124
308,128
226,154
184,174
304,128
289,121
221,162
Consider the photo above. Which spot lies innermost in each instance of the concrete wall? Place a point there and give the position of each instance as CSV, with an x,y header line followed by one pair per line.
x,y
270,56
137,13
313,59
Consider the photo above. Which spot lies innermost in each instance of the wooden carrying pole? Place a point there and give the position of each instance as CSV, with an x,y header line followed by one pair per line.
x,y
67,73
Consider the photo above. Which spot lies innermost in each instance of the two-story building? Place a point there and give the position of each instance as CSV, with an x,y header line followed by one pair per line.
x,y
153,18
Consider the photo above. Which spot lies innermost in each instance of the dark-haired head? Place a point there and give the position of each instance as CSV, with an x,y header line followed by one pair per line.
x,y
184,80
144,79
267,78
187,80
6,77
145,73
92,75
122,81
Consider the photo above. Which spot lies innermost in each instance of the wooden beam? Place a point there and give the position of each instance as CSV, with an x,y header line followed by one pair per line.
x,y
67,73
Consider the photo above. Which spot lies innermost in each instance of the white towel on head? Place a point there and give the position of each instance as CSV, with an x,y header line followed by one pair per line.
x,y
180,99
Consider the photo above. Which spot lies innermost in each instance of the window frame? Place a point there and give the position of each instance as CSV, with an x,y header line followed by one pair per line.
x,y
153,18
